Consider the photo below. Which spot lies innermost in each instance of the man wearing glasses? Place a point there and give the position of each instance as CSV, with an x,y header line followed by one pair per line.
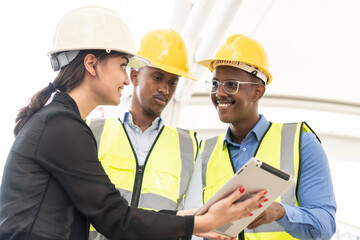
x,y
305,211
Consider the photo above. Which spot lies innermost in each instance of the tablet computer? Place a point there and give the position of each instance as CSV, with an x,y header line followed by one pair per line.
x,y
254,176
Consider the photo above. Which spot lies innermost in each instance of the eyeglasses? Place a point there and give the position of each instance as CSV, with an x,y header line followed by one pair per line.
x,y
230,86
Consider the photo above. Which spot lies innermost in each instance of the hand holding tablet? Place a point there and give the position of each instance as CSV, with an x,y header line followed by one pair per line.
x,y
254,176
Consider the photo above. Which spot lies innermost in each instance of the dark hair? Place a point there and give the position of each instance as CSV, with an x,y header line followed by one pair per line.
x,y
68,78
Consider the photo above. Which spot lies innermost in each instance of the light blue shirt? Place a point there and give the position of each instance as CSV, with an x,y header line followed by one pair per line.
x,y
142,141
315,218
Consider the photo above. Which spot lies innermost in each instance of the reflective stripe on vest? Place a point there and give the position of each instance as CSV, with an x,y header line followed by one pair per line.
x,y
280,143
168,167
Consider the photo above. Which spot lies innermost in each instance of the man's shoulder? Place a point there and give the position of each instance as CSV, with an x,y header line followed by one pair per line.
x,y
178,129
213,140
221,136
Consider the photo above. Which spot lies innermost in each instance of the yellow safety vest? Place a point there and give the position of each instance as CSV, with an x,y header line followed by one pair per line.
x,y
279,147
162,182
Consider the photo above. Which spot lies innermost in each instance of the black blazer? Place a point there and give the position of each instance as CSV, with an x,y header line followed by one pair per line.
x,y
54,186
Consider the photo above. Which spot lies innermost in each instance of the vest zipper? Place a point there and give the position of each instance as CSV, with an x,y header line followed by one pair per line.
x,y
137,186
140,172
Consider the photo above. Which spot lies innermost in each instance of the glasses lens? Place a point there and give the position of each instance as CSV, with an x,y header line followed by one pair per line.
x,y
214,86
208,86
230,86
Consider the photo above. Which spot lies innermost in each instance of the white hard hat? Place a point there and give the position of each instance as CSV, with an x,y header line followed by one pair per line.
x,y
94,28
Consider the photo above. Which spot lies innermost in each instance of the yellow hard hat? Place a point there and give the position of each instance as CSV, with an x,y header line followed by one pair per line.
x,y
94,28
241,51
166,50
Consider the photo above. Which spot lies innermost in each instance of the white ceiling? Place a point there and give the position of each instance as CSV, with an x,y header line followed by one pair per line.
x,y
313,46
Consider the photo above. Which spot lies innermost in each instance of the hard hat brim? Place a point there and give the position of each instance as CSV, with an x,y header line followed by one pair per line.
x,y
135,60
176,71
208,63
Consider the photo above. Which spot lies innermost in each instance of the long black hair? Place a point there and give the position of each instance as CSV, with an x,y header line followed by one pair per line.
x,y
68,78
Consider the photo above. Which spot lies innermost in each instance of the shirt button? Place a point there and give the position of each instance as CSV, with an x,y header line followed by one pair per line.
x,y
244,149
142,153
137,129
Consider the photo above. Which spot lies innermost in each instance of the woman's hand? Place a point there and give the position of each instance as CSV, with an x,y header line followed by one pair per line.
x,y
209,235
228,210
214,236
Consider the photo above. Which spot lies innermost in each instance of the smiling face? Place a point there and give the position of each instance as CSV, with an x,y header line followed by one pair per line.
x,y
241,107
153,89
112,77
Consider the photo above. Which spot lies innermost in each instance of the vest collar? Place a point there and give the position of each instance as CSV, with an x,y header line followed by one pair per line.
x,y
259,130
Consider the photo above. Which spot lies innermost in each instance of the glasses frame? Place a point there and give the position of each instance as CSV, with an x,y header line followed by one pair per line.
x,y
224,88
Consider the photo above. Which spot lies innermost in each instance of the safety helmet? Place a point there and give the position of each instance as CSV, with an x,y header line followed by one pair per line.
x,y
95,28
166,50
241,51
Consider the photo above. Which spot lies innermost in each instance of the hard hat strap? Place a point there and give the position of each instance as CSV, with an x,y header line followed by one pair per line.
x,y
62,59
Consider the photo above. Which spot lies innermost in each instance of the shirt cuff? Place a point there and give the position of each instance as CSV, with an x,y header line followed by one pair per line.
x,y
170,212
189,227
290,216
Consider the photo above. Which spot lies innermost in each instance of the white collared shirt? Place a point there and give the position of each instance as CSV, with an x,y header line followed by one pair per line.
x,y
142,141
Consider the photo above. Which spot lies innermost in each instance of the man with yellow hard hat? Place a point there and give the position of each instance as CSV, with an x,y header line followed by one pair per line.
x,y
150,164
307,210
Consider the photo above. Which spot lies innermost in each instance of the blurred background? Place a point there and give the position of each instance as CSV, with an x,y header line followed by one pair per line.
x,y
313,49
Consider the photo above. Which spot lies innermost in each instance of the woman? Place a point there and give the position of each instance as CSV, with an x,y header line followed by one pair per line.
x,y
53,185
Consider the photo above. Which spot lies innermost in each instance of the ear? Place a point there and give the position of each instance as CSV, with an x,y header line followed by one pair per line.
x,y
259,92
90,64
134,76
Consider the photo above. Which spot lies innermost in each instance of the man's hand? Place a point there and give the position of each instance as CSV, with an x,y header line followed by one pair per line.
x,y
274,212
214,236
187,212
